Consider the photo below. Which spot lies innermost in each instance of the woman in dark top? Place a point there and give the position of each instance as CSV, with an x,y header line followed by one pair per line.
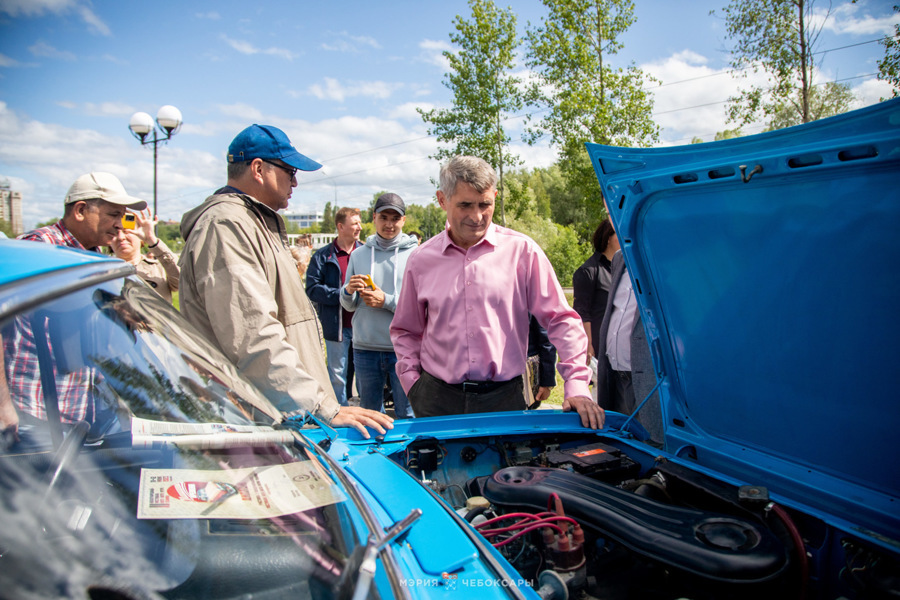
x,y
590,284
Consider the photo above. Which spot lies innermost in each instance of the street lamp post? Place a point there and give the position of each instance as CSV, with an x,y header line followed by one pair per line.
x,y
168,121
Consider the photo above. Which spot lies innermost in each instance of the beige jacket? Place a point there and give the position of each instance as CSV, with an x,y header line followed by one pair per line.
x,y
160,270
240,287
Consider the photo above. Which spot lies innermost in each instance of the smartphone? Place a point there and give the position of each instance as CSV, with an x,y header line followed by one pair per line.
x,y
369,281
128,221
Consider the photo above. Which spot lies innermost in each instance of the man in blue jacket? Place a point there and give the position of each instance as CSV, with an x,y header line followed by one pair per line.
x,y
324,278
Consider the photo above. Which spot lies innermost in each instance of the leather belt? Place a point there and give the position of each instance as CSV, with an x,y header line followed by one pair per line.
x,y
481,387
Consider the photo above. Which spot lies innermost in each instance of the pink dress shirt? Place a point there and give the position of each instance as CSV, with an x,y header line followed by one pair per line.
x,y
462,314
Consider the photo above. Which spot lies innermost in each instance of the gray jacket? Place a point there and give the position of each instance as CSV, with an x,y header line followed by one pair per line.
x,y
643,375
371,326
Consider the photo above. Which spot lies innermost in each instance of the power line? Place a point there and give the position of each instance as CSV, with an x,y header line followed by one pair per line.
x,y
664,112
524,115
424,137
332,177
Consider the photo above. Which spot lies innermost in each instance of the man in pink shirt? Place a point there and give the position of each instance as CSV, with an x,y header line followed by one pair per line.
x,y
460,330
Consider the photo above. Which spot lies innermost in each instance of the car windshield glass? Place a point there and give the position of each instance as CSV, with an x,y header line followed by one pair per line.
x,y
141,458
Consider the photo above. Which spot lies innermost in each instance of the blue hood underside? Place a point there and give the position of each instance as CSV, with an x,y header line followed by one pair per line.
x,y
771,303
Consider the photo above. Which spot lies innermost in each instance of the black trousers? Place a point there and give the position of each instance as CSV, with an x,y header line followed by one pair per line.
x,y
431,397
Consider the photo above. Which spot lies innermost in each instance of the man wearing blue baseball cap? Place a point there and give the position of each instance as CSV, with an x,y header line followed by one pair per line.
x,y
239,282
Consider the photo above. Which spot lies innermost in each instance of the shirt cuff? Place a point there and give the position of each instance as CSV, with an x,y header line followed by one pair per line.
x,y
577,388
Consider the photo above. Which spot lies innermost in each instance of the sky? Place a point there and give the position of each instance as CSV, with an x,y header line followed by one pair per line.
x,y
343,79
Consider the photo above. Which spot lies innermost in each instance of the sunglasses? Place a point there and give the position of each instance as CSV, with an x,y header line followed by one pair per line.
x,y
291,171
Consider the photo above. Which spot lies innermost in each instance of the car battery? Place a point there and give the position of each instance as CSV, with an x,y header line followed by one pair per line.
x,y
595,460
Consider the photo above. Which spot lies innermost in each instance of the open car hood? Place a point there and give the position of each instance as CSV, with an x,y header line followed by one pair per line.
x,y
771,302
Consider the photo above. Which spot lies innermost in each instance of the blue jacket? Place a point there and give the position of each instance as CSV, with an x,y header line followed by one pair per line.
x,y
323,286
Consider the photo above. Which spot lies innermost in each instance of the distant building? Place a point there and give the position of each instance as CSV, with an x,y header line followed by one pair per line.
x,y
303,220
11,207
317,239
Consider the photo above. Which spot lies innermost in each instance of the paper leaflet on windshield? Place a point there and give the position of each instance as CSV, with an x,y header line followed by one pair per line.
x,y
148,434
247,493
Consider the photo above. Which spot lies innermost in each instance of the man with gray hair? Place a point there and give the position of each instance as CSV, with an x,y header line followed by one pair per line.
x,y
460,330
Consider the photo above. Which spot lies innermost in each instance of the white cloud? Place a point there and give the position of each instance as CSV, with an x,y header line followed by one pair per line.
x,y
211,15
37,8
432,53
407,111
854,19
332,89
871,91
361,156
6,61
93,21
52,156
690,100
249,49
100,109
108,109
43,49
114,59
240,110
344,42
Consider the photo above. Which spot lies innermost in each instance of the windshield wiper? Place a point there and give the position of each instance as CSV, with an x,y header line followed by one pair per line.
x,y
374,546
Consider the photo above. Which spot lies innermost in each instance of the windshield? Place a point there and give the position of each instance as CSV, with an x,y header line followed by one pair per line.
x,y
140,459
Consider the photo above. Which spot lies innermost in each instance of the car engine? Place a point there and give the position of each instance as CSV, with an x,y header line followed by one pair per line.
x,y
605,520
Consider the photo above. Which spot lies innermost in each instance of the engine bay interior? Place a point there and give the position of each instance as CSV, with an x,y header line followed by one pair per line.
x,y
606,519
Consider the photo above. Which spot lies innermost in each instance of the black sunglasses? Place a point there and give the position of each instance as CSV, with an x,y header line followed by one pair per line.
x,y
291,171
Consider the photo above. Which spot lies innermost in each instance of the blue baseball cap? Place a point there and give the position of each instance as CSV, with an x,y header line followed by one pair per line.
x,y
267,142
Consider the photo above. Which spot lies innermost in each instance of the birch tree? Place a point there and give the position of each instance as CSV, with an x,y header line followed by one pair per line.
x,y
485,92
777,38
585,97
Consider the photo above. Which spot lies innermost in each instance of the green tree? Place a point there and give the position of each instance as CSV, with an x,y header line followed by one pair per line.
x,y
368,215
428,220
777,38
6,228
728,134
567,204
824,101
889,66
327,225
485,92
47,223
584,97
720,135
567,253
170,234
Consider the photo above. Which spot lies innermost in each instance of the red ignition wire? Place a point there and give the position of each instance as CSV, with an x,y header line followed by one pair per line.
x,y
523,523
528,529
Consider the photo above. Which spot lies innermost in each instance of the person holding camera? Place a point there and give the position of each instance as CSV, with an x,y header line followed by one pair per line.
x,y
374,280
159,266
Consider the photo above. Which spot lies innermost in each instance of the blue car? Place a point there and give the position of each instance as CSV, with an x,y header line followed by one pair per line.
x,y
136,462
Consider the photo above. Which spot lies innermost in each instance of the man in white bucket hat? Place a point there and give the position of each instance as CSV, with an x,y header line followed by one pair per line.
x,y
94,207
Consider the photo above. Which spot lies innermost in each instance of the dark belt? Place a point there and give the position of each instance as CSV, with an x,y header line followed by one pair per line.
x,y
482,387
